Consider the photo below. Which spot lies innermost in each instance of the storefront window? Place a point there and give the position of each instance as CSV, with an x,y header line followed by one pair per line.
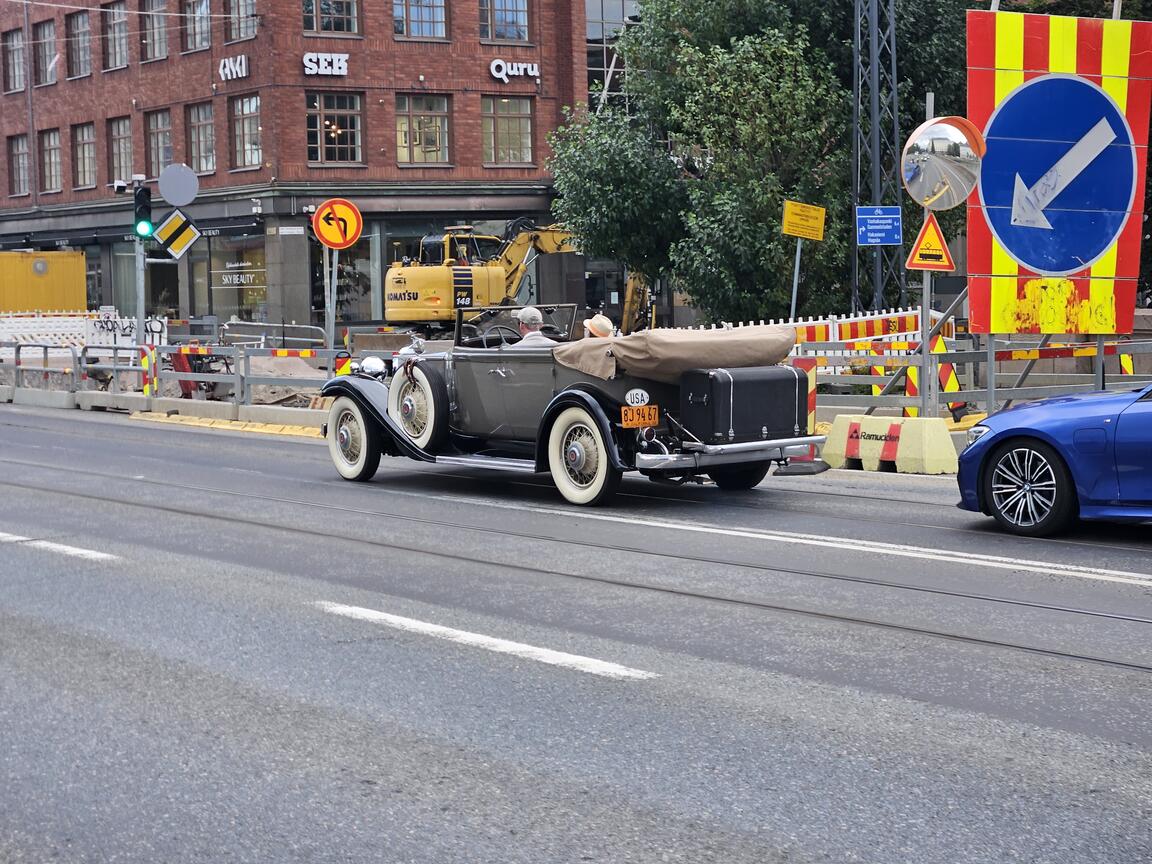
x,y
238,278
161,283
359,280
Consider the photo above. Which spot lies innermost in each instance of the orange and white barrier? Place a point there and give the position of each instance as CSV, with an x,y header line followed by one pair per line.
x,y
920,445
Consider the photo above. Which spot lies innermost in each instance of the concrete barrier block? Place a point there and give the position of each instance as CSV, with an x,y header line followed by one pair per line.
x,y
278,415
909,445
835,448
196,408
926,447
5,392
43,398
88,400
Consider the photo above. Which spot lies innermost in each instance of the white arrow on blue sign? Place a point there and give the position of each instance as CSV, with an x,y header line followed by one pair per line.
x,y
1059,176
879,226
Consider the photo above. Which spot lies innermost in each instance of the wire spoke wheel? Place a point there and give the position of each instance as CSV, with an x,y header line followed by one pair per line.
x,y
579,460
353,440
413,409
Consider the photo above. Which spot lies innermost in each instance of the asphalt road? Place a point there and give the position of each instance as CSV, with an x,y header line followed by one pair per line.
x,y
213,649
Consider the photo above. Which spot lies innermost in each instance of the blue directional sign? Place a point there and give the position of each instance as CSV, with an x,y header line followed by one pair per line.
x,y
1059,176
879,226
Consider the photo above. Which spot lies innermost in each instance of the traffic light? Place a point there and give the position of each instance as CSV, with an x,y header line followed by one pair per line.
x,y
142,221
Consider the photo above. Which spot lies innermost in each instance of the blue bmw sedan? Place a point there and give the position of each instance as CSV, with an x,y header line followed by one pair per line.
x,y
1038,466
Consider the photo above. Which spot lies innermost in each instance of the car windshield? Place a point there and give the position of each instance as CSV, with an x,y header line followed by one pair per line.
x,y
500,321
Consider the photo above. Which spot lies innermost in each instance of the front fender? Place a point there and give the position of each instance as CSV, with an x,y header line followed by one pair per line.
x,y
586,398
371,394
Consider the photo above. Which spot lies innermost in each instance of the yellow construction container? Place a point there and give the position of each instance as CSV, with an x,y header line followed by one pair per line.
x,y
42,281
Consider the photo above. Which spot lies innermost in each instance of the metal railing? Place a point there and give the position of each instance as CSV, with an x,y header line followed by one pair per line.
x,y
22,367
249,380
262,335
90,361
200,357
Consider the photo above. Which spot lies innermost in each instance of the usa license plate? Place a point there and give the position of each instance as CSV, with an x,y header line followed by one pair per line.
x,y
639,416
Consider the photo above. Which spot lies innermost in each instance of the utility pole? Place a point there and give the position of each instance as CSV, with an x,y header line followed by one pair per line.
x,y
877,271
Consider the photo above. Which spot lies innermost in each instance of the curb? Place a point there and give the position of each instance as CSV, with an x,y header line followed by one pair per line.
x,y
231,425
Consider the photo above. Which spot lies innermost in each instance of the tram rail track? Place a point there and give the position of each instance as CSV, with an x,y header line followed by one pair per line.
x,y
638,585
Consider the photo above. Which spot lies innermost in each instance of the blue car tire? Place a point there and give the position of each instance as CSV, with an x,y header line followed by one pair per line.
x,y
1028,489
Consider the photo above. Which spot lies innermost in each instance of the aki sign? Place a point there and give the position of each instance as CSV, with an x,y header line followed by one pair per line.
x,y
1054,229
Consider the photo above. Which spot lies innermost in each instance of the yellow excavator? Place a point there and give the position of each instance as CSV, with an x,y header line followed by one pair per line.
x,y
462,269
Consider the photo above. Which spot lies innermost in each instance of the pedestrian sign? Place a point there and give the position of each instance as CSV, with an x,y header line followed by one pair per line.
x,y
337,223
176,234
1054,234
803,220
930,251
879,226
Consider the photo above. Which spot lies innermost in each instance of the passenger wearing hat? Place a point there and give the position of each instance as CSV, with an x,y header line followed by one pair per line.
x,y
530,322
599,326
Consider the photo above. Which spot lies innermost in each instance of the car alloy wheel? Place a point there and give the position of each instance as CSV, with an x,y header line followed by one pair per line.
x,y
353,441
578,458
1028,488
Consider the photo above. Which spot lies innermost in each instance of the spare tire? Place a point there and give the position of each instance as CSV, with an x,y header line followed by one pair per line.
x,y
418,404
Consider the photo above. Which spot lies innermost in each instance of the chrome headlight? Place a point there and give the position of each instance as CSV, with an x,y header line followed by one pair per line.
x,y
373,365
976,433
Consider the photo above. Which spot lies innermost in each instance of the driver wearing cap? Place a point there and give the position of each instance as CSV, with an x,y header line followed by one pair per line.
x,y
530,336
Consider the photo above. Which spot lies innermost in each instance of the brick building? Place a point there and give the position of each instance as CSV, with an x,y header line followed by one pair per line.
x,y
423,112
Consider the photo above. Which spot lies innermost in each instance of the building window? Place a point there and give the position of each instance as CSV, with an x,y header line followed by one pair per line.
x,y
84,155
154,29
196,25
114,21
44,55
12,46
246,151
332,16
18,183
422,129
504,19
506,127
50,162
241,19
159,124
120,148
334,127
606,20
419,19
78,35
201,138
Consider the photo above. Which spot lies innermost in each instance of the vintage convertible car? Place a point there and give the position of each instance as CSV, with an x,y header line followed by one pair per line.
x,y
670,404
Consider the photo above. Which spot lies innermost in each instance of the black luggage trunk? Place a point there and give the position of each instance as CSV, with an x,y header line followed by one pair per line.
x,y
729,406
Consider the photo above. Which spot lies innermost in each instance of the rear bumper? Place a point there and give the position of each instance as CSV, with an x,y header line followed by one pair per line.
x,y
699,456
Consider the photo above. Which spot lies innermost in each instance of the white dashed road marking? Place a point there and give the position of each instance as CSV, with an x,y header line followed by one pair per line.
x,y
61,548
477,640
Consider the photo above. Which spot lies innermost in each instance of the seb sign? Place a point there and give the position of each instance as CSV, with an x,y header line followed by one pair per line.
x,y
325,64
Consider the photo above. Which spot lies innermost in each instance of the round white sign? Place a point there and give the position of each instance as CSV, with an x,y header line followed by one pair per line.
x,y
179,185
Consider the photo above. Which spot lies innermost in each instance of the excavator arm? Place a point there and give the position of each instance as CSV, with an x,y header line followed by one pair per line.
x,y
637,304
517,253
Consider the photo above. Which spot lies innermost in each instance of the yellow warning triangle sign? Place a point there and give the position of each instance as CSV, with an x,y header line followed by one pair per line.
x,y
930,252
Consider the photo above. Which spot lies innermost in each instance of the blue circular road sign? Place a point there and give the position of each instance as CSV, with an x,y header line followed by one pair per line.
x,y
1059,176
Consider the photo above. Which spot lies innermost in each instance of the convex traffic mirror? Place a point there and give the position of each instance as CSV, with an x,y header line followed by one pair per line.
x,y
940,165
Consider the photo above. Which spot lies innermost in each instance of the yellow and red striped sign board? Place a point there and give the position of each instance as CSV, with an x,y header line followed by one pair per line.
x,y
1005,51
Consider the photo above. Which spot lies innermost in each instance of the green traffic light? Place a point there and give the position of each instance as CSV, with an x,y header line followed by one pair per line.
x,y
144,229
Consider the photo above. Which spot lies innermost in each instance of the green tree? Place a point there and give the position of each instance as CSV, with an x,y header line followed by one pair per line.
x,y
728,118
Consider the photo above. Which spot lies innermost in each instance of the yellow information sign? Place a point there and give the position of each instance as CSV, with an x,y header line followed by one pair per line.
x,y
337,223
176,234
804,220
930,251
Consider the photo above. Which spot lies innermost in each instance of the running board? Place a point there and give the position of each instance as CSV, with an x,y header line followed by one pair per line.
x,y
494,463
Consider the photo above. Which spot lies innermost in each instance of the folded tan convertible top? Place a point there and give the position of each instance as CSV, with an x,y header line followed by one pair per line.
x,y
662,355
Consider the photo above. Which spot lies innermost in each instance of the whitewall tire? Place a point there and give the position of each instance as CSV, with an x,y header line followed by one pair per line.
x,y
418,404
353,440
578,458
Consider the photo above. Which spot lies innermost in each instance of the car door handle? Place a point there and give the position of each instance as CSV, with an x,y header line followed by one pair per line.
x,y
499,372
